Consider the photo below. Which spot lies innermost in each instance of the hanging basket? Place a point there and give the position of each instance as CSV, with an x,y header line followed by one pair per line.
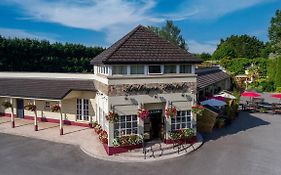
x,y
6,104
30,107
55,108
112,117
143,114
171,112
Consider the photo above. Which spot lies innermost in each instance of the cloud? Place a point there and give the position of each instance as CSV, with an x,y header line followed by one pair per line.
x,y
200,47
18,33
117,17
212,9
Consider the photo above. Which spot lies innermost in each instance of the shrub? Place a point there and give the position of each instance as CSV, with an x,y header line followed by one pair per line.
x,y
278,89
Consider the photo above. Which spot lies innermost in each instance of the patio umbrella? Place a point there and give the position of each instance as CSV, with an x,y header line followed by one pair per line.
x,y
277,96
218,98
226,95
213,102
250,94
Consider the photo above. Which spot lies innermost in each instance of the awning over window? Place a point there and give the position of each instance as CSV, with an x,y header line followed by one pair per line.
x,y
126,110
182,105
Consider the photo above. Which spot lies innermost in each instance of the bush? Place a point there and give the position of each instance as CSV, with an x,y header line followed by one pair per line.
x,y
278,89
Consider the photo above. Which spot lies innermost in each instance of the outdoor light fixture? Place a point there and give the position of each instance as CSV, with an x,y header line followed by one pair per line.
x,y
126,97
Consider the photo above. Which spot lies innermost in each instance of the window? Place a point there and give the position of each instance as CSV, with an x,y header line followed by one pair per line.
x,y
155,69
185,68
83,109
127,125
119,70
170,69
137,69
181,121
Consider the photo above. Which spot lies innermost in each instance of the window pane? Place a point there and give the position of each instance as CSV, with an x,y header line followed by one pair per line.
x,y
137,69
122,125
128,118
135,124
155,69
135,117
185,68
129,125
183,125
170,69
119,70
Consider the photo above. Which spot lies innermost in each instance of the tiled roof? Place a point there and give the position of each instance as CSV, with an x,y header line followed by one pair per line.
x,y
142,46
42,88
209,77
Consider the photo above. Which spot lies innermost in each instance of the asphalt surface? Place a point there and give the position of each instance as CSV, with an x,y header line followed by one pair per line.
x,y
250,146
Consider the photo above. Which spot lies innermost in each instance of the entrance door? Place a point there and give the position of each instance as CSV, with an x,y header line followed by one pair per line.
x,y
20,108
156,124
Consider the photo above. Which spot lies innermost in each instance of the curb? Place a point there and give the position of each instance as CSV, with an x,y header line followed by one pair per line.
x,y
121,159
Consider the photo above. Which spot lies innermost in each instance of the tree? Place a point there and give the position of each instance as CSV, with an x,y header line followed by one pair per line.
x,y
274,32
204,56
41,56
277,80
171,33
239,46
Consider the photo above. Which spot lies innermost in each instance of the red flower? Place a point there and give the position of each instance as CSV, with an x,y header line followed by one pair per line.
x,y
143,114
171,112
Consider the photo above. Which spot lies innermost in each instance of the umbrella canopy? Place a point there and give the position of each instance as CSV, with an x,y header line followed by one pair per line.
x,y
276,96
213,102
250,94
218,98
226,95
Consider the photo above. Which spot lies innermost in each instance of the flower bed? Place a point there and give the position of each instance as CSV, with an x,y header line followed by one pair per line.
x,y
198,110
127,140
182,134
103,136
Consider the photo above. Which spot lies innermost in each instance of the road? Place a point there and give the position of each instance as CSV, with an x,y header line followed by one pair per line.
x,y
250,146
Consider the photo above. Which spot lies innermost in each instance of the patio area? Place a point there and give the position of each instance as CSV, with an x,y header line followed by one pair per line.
x,y
83,137
87,140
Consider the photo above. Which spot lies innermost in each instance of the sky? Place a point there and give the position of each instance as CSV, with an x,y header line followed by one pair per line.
x,y
102,22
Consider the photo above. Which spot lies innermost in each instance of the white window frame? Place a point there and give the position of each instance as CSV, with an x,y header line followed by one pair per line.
x,y
124,130
179,123
161,69
82,109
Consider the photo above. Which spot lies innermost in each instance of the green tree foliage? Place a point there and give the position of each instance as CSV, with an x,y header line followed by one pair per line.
x,y
41,56
238,65
271,69
204,56
277,80
274,32
171,33
243,46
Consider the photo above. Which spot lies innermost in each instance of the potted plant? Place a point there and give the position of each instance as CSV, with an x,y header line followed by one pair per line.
x,y
143,114
112,117
171,112
198,110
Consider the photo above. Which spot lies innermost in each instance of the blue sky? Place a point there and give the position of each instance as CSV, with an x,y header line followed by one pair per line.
x,y
102,22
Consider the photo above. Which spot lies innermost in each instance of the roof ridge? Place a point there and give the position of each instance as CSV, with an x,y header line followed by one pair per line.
x,y
126,37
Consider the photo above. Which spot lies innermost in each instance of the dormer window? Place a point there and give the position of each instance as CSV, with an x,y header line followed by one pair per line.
x,y
185,69
137,69
169,69
119,70
154,69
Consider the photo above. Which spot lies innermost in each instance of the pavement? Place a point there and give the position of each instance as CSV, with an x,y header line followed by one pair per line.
x,y
250,146
87,140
